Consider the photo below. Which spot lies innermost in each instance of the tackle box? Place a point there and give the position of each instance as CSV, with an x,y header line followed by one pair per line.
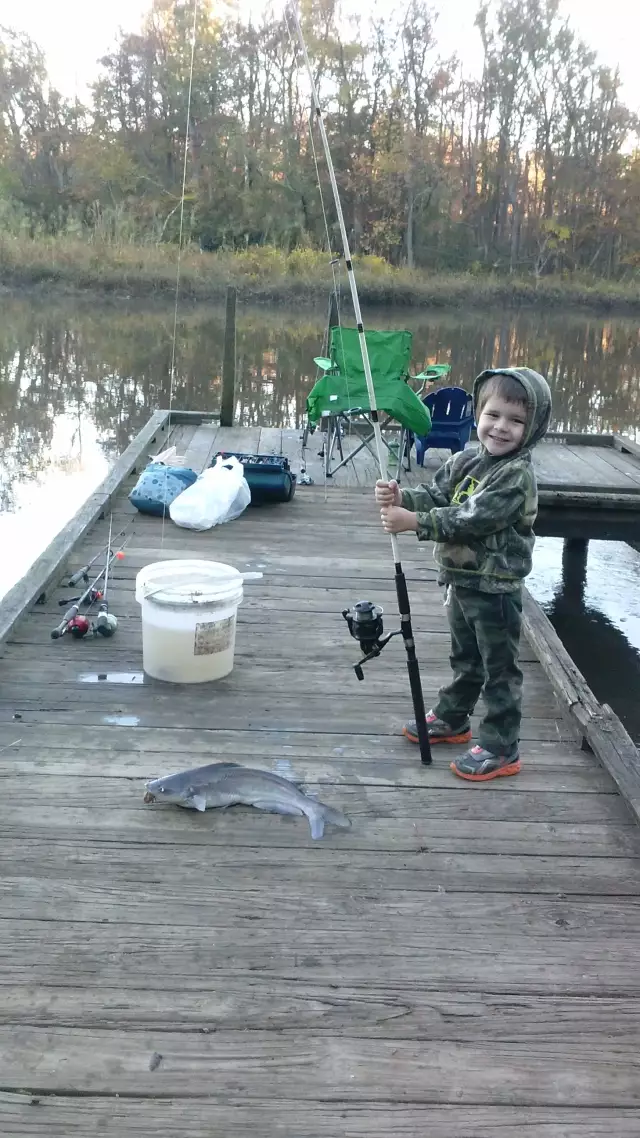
x,y
268,476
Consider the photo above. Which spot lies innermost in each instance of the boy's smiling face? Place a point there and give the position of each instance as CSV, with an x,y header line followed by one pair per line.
x,y
501,425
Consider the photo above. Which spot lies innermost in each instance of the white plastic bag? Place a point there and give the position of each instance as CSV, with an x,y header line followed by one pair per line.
x,y
169,457
220,494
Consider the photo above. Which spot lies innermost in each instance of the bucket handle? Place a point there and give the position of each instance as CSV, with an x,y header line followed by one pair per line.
x,y
220,581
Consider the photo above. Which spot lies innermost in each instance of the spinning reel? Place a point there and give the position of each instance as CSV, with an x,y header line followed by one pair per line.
x,y
365,625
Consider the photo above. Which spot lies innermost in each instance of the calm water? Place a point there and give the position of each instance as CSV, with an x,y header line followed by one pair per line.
x,y
78,380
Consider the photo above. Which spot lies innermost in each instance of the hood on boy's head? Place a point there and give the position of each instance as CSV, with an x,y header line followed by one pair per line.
x,y
538,398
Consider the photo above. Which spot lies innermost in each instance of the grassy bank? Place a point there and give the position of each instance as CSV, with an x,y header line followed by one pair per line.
x,y
266,274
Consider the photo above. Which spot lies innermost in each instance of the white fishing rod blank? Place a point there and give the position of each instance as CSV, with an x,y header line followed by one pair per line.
x,y
400,580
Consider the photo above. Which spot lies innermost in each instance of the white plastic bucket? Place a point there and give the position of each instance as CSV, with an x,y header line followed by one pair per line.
x,y
188,619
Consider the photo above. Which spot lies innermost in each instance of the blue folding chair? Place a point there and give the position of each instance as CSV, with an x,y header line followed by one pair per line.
x,y
451,410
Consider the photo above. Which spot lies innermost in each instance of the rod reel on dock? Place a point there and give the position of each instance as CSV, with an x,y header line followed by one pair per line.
x,y
76,623
365,625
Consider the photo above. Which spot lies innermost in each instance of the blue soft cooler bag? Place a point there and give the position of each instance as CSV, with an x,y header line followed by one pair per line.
x,y
157,487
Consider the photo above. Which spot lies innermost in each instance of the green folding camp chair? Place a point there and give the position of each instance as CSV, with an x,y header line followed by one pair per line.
x,y
341,395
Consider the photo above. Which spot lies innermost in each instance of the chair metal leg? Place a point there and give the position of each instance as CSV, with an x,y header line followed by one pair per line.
x,y
408,452
330,447
334,439
400,455
404,453
351,456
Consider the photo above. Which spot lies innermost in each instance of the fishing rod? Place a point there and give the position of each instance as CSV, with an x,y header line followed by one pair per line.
x,y
83,574
80,629
106,622
365,619
67,624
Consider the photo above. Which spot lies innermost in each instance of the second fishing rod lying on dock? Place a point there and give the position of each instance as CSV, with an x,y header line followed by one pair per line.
x,y
83,574
79,625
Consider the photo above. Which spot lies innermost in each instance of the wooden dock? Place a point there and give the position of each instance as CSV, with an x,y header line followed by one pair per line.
x,y
461,964
589,487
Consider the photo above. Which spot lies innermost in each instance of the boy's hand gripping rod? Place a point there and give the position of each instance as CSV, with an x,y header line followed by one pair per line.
x,y
401,584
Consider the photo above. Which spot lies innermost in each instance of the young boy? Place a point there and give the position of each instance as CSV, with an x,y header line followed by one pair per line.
x,y
479,510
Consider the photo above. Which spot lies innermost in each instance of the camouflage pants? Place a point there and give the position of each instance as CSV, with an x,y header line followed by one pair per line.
x,y
485,635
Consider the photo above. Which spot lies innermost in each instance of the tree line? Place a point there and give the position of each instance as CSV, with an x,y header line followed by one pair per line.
x,y
532,167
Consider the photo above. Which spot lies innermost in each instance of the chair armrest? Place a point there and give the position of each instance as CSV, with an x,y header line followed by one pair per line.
x,y
434,372
427,381
324,362
431,375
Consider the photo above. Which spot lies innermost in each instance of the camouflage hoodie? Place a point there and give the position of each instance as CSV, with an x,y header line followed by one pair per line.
x,y
480,510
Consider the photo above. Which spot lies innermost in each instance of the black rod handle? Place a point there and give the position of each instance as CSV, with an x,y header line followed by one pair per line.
x,y
413,667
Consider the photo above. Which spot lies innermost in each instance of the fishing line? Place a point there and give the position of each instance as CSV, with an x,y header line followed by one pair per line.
x,y
182,197
333,261
106,573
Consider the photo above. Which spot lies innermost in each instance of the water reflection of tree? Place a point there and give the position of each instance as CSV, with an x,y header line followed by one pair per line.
x,y
593,365
111,366
26,411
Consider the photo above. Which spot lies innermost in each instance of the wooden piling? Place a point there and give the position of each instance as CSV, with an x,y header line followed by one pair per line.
x,y
333,320
228,402
575,551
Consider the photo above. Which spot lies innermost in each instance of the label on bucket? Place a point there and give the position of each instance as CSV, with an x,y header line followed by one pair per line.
x,y
213,636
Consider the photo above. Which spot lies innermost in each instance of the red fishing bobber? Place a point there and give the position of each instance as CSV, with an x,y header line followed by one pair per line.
x,y
79,627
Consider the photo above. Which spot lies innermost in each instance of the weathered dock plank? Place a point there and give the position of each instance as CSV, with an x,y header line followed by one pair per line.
x,y
74,1117
306,1068
398,1012
461,962
458,955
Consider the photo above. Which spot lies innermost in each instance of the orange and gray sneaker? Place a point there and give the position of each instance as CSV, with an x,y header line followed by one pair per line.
x,y
439,731
479,765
